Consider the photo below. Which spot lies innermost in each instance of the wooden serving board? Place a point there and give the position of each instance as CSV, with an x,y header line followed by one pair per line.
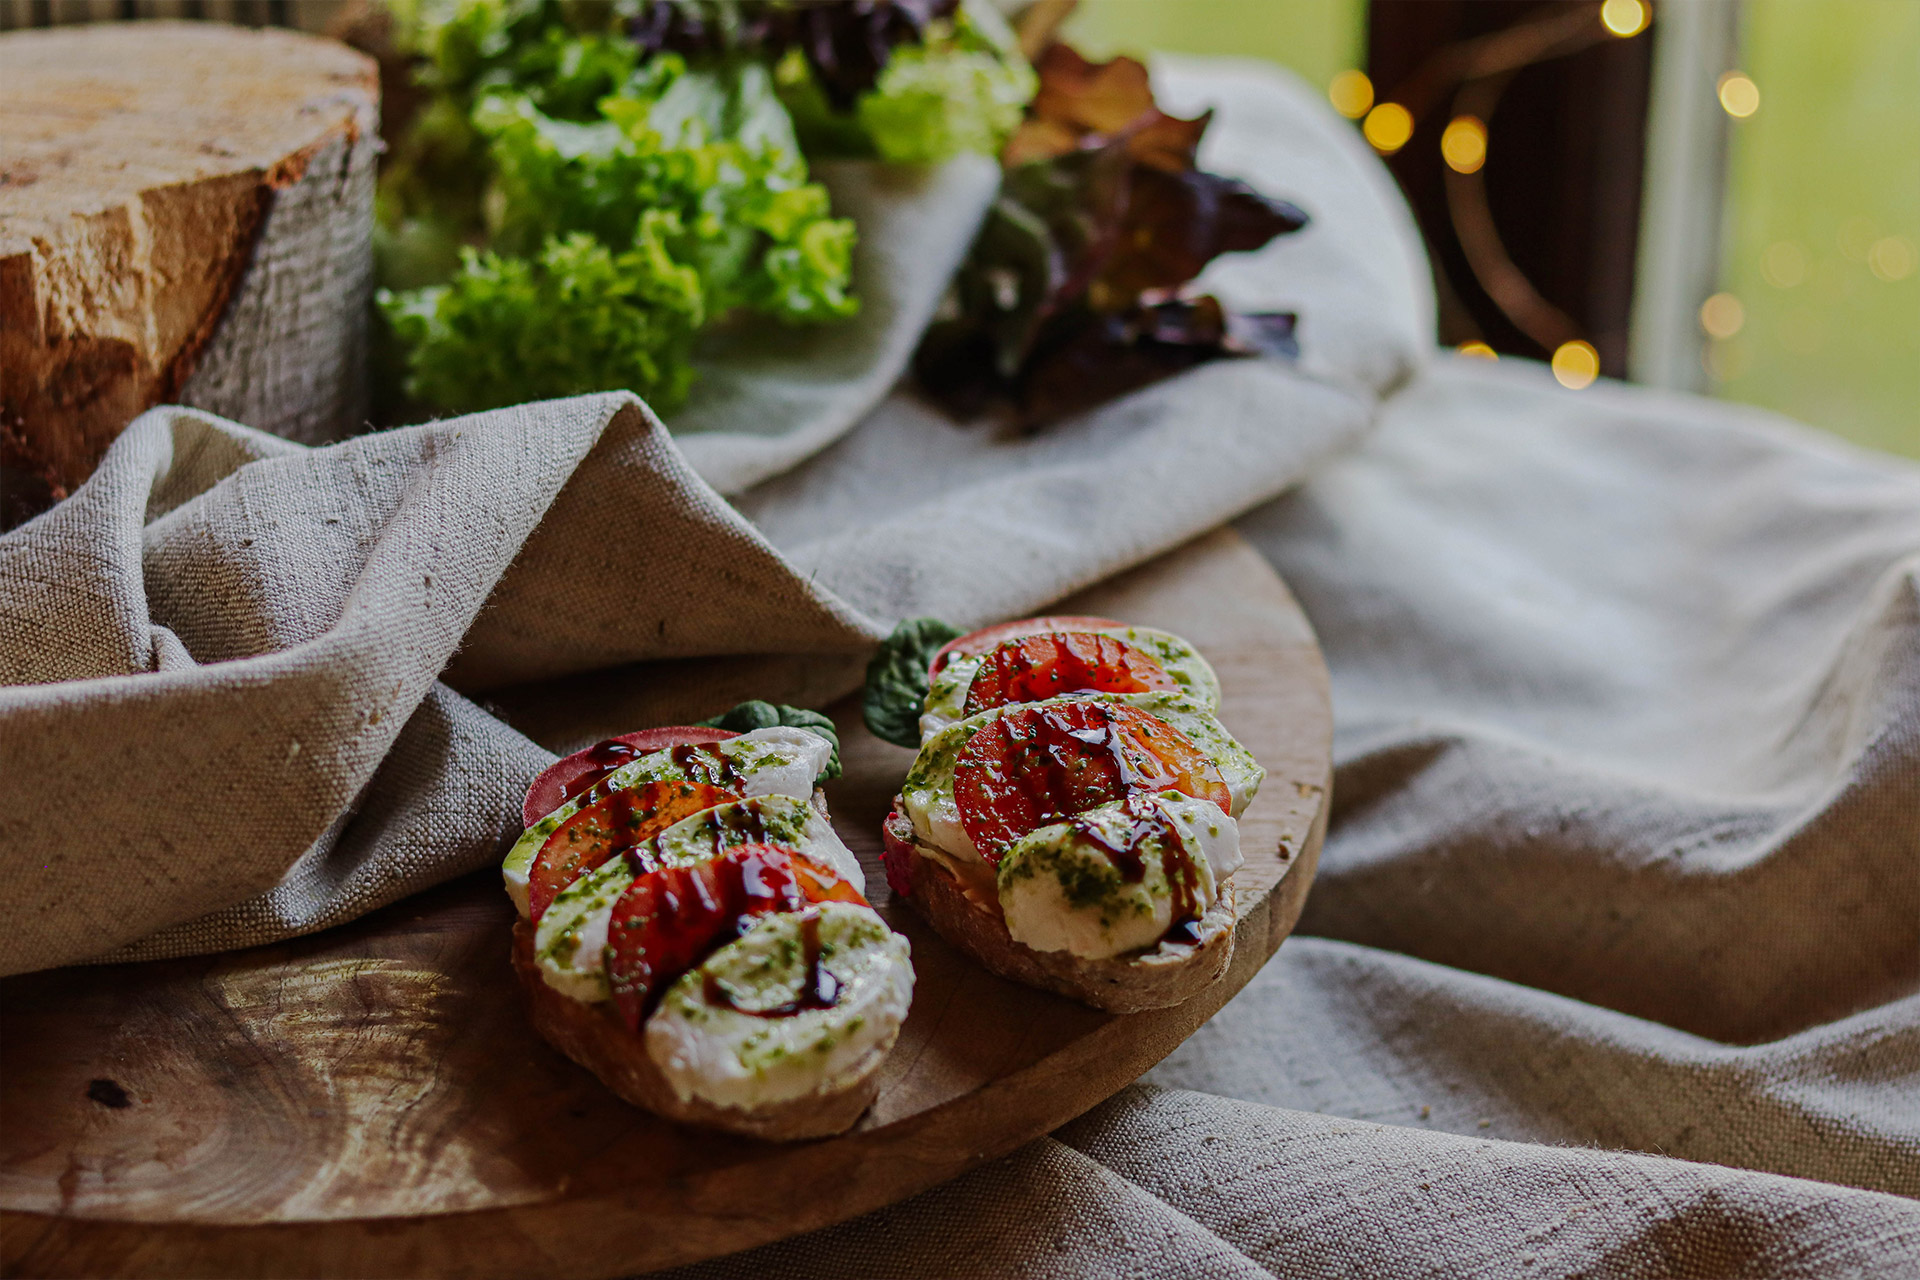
x,y
371,1100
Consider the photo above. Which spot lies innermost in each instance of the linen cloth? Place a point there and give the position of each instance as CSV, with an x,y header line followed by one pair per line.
x,y
1625,858
1625,687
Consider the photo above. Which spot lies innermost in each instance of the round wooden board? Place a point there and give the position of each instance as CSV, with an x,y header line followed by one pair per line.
x,y
371,1100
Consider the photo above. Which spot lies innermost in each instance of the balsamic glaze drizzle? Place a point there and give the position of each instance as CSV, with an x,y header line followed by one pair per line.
x,y
1146,820
819,990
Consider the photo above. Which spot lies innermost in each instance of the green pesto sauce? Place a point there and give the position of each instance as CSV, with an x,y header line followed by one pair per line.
x,y
1087,877
765,969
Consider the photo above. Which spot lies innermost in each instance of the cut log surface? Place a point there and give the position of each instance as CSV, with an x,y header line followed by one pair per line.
x,y
185,217
373,1101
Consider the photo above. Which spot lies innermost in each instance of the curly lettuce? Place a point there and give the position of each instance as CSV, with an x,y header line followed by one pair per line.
x,y
613,239
963,88
574,317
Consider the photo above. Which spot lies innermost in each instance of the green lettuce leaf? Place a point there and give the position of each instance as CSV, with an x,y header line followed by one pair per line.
x,y
963,90
962,87
576,317
684,197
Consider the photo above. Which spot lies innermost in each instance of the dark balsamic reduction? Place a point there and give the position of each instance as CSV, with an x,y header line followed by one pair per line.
x,y
1054,767
820,989
602,759
1183,876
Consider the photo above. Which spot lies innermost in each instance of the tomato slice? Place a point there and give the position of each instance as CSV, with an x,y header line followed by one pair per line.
x,y
608,827
988,637
1038,765
672,918
1030,668
576,774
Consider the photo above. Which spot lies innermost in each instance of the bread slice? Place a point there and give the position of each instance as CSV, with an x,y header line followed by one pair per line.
x,y
594,1036
1167,975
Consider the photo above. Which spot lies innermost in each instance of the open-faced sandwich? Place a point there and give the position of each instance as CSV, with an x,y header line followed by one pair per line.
x,y
694,933
1070,818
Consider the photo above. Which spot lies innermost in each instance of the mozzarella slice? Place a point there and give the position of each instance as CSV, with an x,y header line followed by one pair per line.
x,y
1065,888
738,1031
781,761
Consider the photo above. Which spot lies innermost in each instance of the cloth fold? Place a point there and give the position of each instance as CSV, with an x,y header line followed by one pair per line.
x,y
295,636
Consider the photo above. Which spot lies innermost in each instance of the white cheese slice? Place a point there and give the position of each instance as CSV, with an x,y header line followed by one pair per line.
x,y
711,1035
1062,888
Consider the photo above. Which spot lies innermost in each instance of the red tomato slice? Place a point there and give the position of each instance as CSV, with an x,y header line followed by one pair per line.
x,y
988,637
1030,668
1037,765
574,775
672,918
606,828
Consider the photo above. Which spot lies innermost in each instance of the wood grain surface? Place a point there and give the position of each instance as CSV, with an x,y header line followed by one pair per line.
x,y
371,1101
186,216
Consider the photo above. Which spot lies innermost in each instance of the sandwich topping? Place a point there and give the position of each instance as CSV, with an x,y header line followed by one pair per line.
x,y
1022,666
1073,773
700,896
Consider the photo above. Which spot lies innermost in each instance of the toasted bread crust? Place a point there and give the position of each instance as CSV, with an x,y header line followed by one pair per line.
x,y
1156,979
593,1036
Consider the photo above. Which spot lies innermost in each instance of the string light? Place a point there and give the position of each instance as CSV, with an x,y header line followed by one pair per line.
x,y
1351,94
1388,127
1576,364
1624,18
1477,351
1739,95
1722,315
1464,144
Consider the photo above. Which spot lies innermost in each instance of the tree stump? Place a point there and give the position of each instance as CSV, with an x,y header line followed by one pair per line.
x,y
186,216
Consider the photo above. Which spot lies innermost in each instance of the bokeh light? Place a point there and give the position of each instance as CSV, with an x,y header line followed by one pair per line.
x,y
1722,315
1856,237
1739,94
1624,17
1388,127
1576,364
1784,264
1464,144
1891,258
1477,351
1351,94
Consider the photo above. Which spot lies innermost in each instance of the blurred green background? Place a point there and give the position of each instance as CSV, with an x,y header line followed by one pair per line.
x,y
1822,239
1823,220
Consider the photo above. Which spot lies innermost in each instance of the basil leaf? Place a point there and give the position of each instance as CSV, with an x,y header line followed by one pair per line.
x,y
896,689
748,716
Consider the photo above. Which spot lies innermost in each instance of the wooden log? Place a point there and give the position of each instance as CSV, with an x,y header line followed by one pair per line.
x,y
185,217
